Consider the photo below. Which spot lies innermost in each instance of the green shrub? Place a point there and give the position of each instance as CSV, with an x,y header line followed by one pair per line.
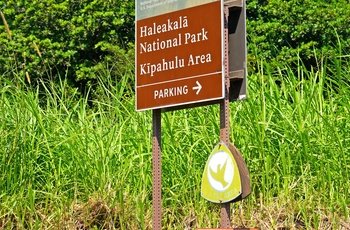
x,y
284,31
62,38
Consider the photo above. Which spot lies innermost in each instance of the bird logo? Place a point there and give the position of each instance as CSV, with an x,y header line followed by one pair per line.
x,y
220,171
219,175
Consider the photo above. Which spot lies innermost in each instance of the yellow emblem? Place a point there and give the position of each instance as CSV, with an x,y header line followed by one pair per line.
x,y
221,181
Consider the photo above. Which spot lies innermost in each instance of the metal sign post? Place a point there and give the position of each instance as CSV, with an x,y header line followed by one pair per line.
x,y
225,119
157,169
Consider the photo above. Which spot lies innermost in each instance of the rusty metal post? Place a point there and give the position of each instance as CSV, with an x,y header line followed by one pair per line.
x,y
225,118
157,170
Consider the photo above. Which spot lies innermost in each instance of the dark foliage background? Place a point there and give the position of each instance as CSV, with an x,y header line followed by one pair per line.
x,y
72,39
79,40
289,31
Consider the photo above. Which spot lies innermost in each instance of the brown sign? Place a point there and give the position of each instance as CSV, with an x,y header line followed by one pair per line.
x,y
179,57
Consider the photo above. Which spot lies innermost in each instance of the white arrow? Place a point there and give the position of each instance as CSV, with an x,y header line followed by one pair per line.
x,y
198,87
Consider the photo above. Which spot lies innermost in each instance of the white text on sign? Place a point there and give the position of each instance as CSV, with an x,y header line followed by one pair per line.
x,y
164,65
171,92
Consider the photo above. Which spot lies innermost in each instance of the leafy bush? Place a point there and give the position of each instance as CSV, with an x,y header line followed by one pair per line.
x,y
284,31
62,38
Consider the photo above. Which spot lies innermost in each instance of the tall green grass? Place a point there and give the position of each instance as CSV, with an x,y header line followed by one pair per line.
x,y
70,164
297,126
